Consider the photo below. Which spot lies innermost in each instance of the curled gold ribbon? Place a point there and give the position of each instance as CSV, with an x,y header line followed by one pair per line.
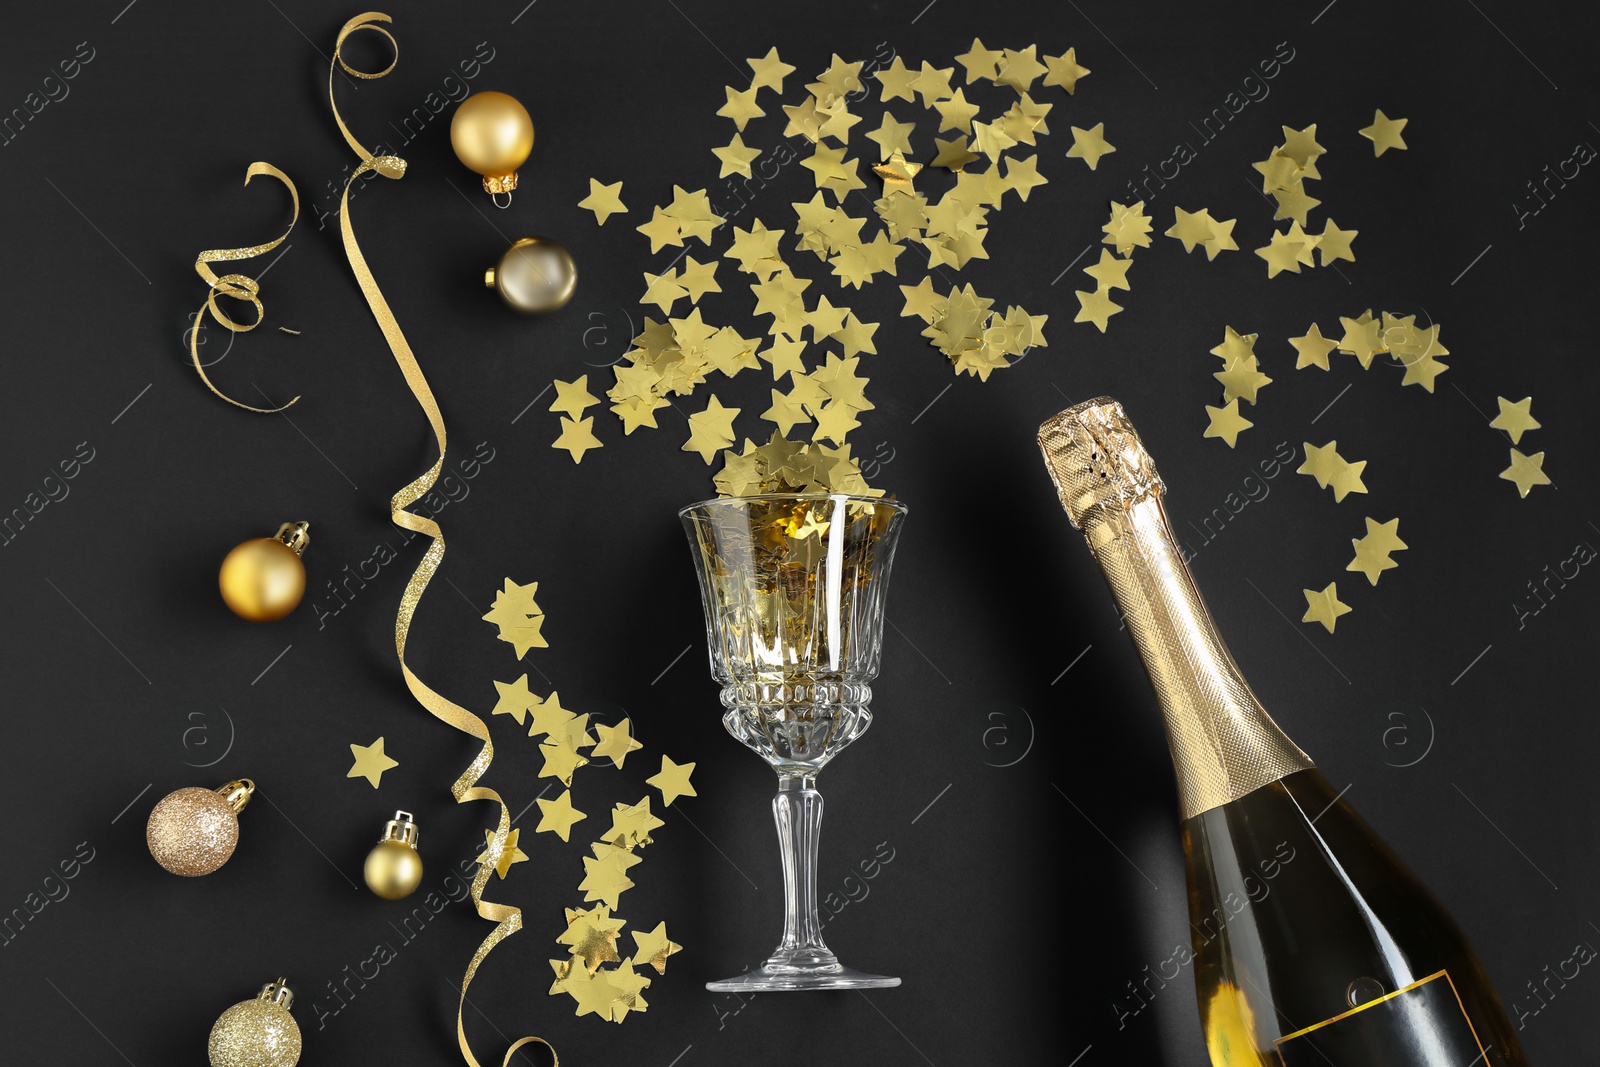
x,y
238,286
508,919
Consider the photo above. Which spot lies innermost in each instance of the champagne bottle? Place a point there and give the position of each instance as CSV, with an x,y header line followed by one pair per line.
x,y
1312,944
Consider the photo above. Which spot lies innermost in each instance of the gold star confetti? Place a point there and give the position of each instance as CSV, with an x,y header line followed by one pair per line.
x,y
516,700
1363,338
630,986
1227,423
741,107
1241,380
577,437
980,63
672,780
698,278
1332,470
1301,145
591,936
1384,133
1110,272
1525,471
561,758
1064,70
662,229
1515,419
615,742
1089,145
1192,228
693,215
371,762
896,81
606,873
1221,239
953,154
558,816
1324,606
1235,347
838,81
897,174
1312,349
573,397
654,947
1334,243
1096,307
769,72
593,991
1128,229
932,83
663,291
604,201
1019,69
736,157
509,852
956,113
710,430
631,825
1373,551
549,717
1281,255
518,617
892,136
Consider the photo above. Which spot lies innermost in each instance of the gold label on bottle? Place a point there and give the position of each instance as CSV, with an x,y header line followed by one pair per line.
x,y
1420,1025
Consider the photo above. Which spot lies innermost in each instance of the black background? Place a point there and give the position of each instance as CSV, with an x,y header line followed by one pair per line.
x,y
1046,873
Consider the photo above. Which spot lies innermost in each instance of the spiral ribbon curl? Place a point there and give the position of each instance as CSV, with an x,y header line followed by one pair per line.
x,y
508,919
238,286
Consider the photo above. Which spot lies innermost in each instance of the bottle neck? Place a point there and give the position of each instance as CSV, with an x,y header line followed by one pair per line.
x,y
1224,744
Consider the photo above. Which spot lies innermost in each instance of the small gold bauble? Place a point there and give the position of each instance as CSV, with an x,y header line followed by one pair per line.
x,y
492,134
535,275
263,578
257,1033
394,867
193,831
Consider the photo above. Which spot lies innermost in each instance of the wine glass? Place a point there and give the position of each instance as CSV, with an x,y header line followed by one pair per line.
x,y
793,587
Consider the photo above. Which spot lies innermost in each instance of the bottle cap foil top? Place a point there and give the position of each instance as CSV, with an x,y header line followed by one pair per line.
x,y
1096,459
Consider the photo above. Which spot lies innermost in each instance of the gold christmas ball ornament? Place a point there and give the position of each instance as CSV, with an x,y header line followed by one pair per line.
x,y
263,579
193,831
535,275
257,1033
492,134
394,867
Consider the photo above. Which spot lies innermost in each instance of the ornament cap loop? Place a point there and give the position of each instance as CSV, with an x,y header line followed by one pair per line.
x,y
237,793
277,992
494,198
297,535
401,828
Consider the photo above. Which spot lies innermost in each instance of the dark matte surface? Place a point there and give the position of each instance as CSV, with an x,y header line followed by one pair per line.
x,y
1029,812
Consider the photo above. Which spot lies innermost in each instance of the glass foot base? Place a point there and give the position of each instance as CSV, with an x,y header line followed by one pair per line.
x,y
790,979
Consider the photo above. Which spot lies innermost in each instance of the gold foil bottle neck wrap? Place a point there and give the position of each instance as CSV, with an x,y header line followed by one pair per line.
x,y
1224,744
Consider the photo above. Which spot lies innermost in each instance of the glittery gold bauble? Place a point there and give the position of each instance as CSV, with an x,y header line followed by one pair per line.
x,y
492,134
263,579
534,276
257,1033
394,867
193,831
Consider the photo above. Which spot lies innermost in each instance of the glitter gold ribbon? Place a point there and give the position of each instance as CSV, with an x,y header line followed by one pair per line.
x,y
508,919
238,286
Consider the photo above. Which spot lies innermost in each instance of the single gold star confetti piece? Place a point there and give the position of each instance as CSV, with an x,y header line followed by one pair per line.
x,y
1096,307
1192,228
1384,133
1324,606
577,437
1128,229
1515,419
1221,239
662,229
710,430
1064,70
516,700
1525,471
606,873
698,278
838,81
591,936
1019,69
1308,245
549,717
1281,255
663,291
574,397
1089,145
514,604
1235,346
593,992
525,636
892,136
785,356
1312,349
1334,243
1227,423
956,113
1301,145
654,947
1332,470
896,81
769,72
1110,272
897,174
932,83
509,852
1422,371
1242,380
1278,172
1293,204
615,742
736,157
630,989
561,758
1363,338
1373,550
557,816
741,107
672,780
604,201
631,825
953,154
1022,175
371,761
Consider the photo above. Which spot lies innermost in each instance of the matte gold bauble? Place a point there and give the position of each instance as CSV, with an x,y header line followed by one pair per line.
x,y
535,275
394,867
193,831
263,579
492,134
257,1033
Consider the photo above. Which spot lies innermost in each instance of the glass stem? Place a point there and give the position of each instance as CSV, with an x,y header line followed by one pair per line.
x,y
797,809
